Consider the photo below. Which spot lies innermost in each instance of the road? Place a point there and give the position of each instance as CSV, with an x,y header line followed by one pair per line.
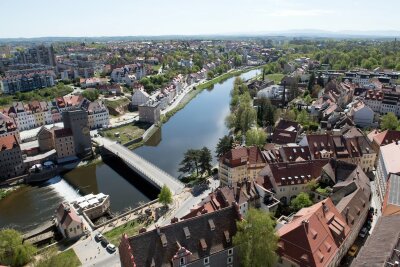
x,y
185,203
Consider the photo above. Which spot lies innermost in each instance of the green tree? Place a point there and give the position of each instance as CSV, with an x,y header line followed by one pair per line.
x,y
205,159
389,121
312,185
165,196
224,145
302,117
256,137
311,82
210,75
91,95
256,239
190,162
265,112
302,200
12,250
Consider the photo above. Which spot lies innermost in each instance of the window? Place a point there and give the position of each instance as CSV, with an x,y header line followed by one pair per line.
x,y
230,260
182,261
206,260
230,252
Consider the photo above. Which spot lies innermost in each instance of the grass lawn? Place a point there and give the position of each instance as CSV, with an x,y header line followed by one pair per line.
x,y
50,258
276,77
71,256
127,132
130,228
116,103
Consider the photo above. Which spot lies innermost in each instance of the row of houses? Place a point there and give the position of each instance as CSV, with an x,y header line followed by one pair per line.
x,y
25,116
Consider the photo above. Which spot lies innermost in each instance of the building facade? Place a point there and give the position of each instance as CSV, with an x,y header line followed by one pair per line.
x,y
11,162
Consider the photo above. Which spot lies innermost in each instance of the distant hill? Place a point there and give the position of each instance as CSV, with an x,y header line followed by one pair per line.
x,y
299,33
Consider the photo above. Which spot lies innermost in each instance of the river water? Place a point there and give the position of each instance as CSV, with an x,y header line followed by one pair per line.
x,y
200,123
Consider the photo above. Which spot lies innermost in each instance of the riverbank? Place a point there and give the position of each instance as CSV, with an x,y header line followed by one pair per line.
x,y
194,92
7,191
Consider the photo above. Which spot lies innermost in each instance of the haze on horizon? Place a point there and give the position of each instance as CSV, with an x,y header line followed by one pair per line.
x,y
91,18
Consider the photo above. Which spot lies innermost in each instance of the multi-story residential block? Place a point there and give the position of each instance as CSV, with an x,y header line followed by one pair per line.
x,y
78,121
11,162
27,80
64,143
240,164
150,112
98,115
39,54
205,240
352,146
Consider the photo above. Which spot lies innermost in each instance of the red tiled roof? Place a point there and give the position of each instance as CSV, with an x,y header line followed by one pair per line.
x,y
8,142
314,235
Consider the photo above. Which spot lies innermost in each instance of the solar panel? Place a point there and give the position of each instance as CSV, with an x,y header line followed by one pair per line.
x,y
394,190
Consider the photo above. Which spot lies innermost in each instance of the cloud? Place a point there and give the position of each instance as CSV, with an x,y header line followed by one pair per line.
x,y
299,13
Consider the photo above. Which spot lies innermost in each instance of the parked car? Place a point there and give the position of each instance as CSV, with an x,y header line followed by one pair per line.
x,y
353,250
363,232
98,237
111,248
104,242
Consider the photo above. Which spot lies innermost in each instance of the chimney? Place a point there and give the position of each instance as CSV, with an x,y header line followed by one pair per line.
x,y
305,223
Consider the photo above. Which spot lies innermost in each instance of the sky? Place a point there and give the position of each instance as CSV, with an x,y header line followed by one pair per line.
x,y
44,18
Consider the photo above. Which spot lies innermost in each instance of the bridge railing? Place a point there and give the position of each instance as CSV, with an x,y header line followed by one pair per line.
x,y
145,161
116,150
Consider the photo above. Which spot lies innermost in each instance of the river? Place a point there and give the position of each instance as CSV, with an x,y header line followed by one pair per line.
x,y
200,123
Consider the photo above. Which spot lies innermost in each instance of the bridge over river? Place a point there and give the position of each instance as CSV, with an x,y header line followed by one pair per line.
x,y
141,166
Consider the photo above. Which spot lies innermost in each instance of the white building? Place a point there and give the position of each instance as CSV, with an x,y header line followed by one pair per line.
x,y
363,116
98,115
388,162
68,222
139,97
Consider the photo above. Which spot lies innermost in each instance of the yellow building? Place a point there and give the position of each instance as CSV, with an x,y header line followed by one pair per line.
x,y
240,163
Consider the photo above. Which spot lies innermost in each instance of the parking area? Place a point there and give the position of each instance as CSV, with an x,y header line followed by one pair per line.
x,y
92,252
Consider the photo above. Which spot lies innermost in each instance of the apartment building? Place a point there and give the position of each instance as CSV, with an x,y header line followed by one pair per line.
x,y
351,146
239,164
29,79
98,115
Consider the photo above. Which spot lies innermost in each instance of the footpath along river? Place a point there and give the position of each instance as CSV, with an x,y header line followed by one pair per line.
x,y
200,123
